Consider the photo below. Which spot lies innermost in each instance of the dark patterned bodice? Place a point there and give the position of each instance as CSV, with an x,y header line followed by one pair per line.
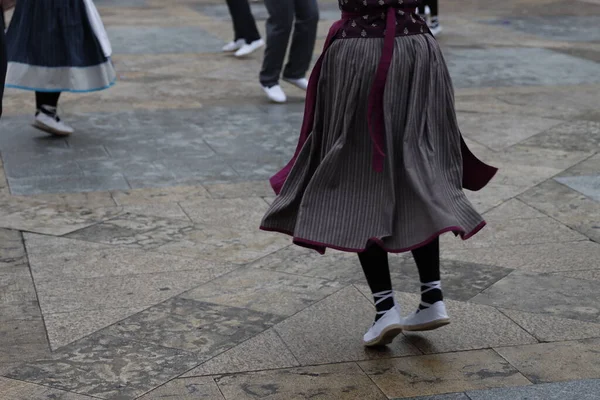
x,y
367,18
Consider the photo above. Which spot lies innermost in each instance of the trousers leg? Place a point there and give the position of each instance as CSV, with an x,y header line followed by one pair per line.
x,y
304,38
244,24
3,60
279,28
433,6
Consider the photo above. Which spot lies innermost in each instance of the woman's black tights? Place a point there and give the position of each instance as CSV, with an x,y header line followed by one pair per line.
x,y
46,99
375,264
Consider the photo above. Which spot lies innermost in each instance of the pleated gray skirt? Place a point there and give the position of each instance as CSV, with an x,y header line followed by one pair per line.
x,y
333,197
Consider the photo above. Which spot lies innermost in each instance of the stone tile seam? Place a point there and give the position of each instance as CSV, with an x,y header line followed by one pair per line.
x,y
64,235
385,396
223,158
274,327
121,213
180,376
593,154
193,257
509,363
10,178
552,179
123,247
491,350
557,126
356,362
249,265
573,270
584,239
132,315
555,218
156,273
544,315
35,289
299,364
544,343
490,285
520,387
519,325
287,347
49,387
183,211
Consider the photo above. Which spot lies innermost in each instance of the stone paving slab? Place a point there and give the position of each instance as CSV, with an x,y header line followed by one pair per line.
x,y
264,291
518,66
560,28
310,334
587,185
496,133
554,362
150,40
576,390
550,257
328,382
18,390
107,367
328,11
264,351
552,329
186,389
545,294
202,328
442,373
570,136
67,184
588,167
451,396
567,206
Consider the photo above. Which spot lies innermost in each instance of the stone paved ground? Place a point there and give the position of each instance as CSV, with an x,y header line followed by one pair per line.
x,y
131,267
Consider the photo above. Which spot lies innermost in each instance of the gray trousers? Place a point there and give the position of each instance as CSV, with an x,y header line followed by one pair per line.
x,y
284,15
3,60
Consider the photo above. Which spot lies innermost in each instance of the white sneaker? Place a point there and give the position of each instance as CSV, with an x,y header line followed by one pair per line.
x,y
301,83
249,48
432,317
50,123
234,46
386,328
275,94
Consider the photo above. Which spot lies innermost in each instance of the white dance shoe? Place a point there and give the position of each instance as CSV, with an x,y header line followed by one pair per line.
x,y
301,83
234,46
432,316
50,123
386,328
275,94
249,48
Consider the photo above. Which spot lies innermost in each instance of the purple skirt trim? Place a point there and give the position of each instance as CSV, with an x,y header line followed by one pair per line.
x,y
321,247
